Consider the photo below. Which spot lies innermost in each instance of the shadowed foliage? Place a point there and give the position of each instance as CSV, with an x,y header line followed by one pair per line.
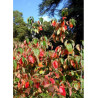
x,y
75,10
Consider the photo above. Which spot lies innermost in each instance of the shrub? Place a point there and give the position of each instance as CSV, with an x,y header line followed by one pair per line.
x,y
41,71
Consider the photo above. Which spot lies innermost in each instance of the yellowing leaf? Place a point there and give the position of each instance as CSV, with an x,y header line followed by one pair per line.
x,y
41,72
78,47
58,32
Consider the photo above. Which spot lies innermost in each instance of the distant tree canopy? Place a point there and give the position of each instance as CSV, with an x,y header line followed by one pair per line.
x,y
19,26
75,10
35,26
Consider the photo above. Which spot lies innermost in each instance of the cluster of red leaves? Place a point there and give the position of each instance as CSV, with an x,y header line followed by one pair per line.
x,y
45,70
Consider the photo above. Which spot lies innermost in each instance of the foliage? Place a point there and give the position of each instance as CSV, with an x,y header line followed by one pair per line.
x,y
75,10
19,26
39,71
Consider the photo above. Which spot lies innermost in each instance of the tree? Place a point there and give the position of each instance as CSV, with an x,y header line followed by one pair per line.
x,y
41,26
41,20
75,10
19,26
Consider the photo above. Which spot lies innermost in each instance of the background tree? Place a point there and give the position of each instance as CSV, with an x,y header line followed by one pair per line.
x,y
41,26
41,20
75,10
19,26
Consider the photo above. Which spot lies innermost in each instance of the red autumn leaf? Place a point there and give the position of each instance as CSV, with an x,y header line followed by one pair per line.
x,y
31,59
16,46
40,28
46,77
19,85
63,85
38,22
25,56
57,48
41,53
65,27
53,35
39,90
13,58
25,42
25,76
51,89
55,64
20,61
72,63
37,85
62,91
63,18
23,82
27,91
17,66
53,23
54,55
71,25
45,83
70,88
83,77
26,84
37,44
66,52
22,45
52,80
56,88
57,75
18,75
63,23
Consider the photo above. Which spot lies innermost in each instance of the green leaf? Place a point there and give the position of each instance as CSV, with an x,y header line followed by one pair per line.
x,y
76,86
20,50
35,41
62,60
15,64
17,79
41,20
82,62
31,82
82,80
64,78
83,43
78,58
23,59
44,43
45,38
36,30
29,21
69,47
73,21
36,51
72,73
65,12
23,69
83,55
27,40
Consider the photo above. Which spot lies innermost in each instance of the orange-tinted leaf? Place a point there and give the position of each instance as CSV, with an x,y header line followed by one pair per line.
x,y
40,64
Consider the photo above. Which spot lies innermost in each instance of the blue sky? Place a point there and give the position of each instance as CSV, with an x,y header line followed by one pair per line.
x,y
30,8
